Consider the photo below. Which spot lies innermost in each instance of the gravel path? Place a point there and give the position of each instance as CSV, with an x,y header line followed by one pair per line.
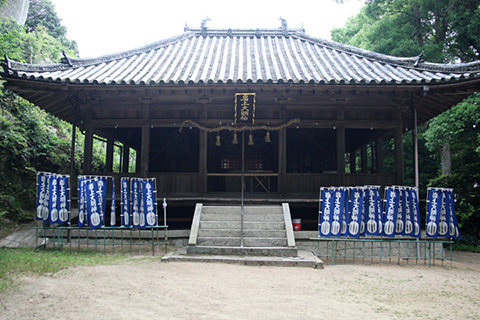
x,y
142,288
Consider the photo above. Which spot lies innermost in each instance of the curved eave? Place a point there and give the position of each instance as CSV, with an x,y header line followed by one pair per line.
x,y
455,78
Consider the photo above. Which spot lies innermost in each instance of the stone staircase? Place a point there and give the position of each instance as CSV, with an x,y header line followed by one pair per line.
x,y
217,231
267,238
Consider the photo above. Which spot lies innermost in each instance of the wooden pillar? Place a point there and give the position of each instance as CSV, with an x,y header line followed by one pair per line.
x,y
88,148
72,147
109,156
379,154
372,154
397,136
415,146
145,148
73,181
138,161
125,158
282,159
353,162
203,146
340,128
202,159
363,156
341,154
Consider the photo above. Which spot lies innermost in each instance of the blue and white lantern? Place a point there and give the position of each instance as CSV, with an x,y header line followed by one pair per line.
x,y
125,202
344,227
82,201
94,203
63,200
42,195
149,203
434,207
338,212
379,210
391,210
53,199
453,230
355,212
443,218
400,223
113,218
371,214
327,197
415,212
135,201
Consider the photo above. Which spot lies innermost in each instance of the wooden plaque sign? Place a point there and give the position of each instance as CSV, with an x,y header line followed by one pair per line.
x,y
244,108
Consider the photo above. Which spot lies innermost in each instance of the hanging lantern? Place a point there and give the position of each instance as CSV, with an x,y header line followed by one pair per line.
x,y
235,138
267,137
250,139
217,142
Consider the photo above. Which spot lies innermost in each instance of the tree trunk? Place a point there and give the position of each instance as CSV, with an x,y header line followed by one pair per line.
x,y
446,159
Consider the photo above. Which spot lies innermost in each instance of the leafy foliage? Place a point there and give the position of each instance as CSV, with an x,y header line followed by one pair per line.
x,y
11,41
445,31
459,127
30,139
41,14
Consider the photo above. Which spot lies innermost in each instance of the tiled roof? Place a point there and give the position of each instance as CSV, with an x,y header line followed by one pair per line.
x,y
245,56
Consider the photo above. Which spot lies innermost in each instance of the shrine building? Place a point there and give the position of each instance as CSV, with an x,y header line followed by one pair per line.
x,y
287,112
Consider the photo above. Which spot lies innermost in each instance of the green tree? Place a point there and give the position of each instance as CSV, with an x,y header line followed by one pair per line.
x,y
41,13
11,39
445,31
30,139
459,127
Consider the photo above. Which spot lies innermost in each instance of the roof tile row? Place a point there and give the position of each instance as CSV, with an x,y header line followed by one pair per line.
x,y
244,56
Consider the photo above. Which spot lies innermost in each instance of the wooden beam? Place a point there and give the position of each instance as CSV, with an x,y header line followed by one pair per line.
x,y
136,123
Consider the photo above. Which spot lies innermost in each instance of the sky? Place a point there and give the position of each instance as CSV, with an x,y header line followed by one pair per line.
x,y
102,27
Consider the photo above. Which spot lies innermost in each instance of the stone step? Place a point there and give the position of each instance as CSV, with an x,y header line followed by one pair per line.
x,y
221,209
247,225
219,241
248,209
262,210
265,242
223,216
247,241
226,216
203,232
242,251
304,258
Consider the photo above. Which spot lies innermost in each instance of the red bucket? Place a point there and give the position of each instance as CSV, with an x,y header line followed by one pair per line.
x,y
297,224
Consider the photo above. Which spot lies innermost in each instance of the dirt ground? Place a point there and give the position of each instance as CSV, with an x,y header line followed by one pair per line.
x,y
147,288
